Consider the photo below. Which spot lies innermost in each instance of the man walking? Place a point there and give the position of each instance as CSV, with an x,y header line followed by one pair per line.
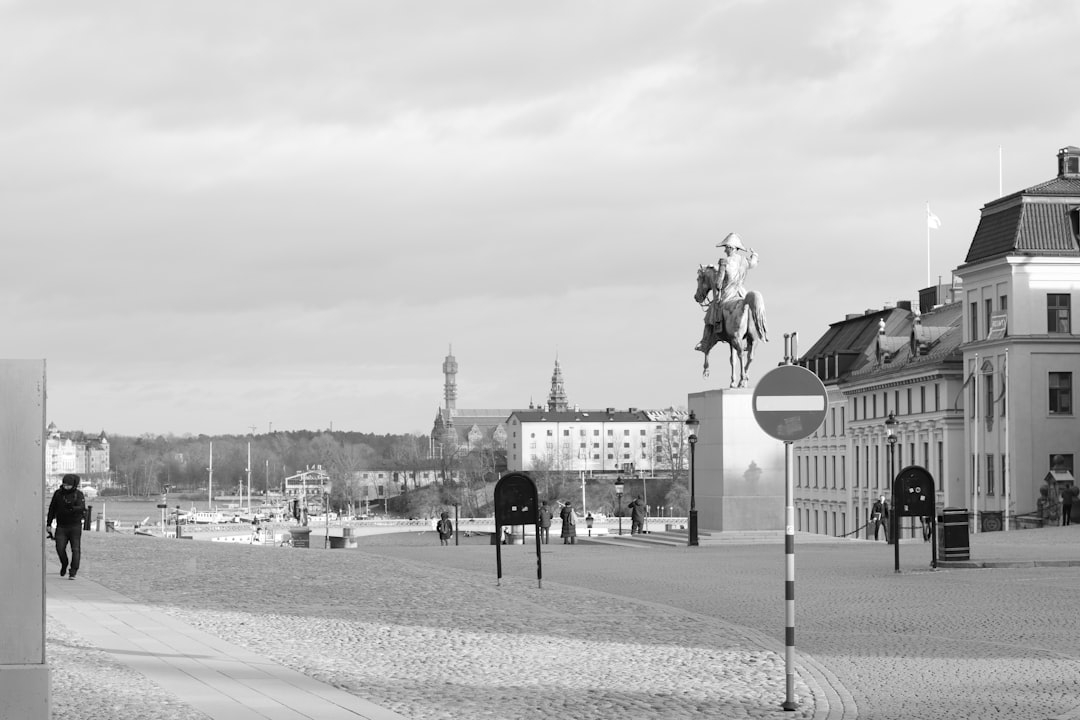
x,y
880,516
68,508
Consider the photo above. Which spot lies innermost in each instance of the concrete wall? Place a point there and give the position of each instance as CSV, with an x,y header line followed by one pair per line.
x,y
738,469
24,676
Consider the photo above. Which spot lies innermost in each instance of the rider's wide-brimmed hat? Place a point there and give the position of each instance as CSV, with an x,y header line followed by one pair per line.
x,y
732,240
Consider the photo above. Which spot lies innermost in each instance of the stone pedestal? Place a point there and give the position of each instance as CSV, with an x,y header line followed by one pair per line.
x,y
24,676
739,470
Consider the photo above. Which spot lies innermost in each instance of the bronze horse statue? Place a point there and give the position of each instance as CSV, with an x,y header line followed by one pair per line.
x,y
739,322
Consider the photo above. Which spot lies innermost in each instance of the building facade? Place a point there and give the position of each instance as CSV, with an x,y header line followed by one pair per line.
x,y
978,387
607,441
76,453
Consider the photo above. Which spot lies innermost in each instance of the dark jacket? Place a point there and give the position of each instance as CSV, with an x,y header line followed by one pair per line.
x,y
68,507
637,510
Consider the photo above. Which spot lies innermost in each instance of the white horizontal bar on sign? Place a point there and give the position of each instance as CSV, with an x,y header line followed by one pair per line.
x,y
789,403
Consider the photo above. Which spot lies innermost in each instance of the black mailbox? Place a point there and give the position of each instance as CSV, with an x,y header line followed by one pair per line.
x,y
515,500
914,493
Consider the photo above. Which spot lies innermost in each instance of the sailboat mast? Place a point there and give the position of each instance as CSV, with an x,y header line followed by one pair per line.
x,y
210,470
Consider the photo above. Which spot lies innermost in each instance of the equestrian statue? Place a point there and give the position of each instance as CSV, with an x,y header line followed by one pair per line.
x,y
732,314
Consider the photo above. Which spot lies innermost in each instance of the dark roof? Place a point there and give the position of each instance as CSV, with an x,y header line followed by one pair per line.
x,y
1032,222
857,333
945,334
581,416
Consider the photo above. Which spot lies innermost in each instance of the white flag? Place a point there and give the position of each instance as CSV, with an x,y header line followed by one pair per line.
x,y
932,221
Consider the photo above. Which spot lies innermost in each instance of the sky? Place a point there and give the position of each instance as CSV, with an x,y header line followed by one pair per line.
x,y
231,217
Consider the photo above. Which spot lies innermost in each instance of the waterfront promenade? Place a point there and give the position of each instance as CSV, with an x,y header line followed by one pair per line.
x,y
402,627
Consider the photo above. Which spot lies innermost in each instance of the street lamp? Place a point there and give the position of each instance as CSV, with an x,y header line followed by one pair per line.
x,y
894,517
618,492
692,534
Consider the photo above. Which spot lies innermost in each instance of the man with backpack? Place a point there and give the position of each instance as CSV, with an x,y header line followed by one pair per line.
x,y
68,508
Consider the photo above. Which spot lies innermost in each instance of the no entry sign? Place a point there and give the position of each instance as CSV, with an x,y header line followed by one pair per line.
x,y
790,403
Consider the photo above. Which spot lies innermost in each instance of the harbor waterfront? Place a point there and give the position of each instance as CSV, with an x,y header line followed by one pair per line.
x,y
618,629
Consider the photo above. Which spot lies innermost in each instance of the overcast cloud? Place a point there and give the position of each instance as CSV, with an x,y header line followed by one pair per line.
x,y
218,215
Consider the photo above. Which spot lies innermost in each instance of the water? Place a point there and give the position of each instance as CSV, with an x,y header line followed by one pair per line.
x,y
134,511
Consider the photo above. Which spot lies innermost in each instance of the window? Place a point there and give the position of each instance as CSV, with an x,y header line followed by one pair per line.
x,y
843,472
549,433
1057,313
989,394
937,397
842,421
856,466
566,433
1061,393
973,322
990,473
922,398
940,459
988,305
896,402
908,393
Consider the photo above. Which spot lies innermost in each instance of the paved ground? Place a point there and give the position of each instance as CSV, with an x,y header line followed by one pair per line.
x,y
615,631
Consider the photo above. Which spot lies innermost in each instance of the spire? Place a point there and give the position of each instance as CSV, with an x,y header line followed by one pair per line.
x,y
557,396
449,368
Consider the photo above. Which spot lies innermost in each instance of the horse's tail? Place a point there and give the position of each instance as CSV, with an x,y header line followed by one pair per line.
x,y
756,303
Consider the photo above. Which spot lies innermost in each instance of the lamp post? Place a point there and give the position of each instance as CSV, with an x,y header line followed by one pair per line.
x,y
894,516
692,533
618,493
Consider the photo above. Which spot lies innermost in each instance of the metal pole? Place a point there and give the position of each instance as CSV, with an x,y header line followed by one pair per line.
x,y
692,521
894,515
789,580
619,500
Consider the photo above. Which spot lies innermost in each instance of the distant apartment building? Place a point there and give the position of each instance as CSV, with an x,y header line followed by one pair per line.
x,y
606,441
86,456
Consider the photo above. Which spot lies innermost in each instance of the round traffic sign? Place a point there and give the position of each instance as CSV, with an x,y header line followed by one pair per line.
x,y
790,403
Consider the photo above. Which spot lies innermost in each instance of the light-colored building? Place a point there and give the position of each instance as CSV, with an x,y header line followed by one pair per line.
x,y
607,441
76,453
1021,352
980,384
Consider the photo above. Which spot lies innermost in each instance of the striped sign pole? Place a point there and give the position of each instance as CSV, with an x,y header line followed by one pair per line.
x,y
789,404
789,580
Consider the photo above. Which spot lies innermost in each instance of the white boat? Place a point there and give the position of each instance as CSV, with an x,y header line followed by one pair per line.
x,y
207,517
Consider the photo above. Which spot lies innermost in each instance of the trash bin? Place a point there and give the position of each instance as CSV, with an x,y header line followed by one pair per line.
x,y
954,534
300,536
110,526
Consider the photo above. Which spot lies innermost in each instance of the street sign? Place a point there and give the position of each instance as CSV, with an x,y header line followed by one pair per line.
x,y
790,403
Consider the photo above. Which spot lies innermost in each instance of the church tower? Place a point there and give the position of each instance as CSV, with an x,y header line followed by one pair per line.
x,y
449,368
557,396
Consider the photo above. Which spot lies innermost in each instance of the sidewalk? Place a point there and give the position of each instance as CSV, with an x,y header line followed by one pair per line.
x,y
222,680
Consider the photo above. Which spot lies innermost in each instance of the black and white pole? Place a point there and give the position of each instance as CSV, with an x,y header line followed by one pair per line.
x,y
789,580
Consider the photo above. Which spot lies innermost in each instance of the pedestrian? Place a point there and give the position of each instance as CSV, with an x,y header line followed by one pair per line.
x,y
1066,505
880,516
445,528
544,516
68,508
637,515
569,524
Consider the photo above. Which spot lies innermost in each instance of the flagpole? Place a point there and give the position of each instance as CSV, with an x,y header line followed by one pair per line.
x,y
927,243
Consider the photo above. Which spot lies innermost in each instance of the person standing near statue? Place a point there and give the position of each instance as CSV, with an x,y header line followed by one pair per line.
x,y
637,516
68,508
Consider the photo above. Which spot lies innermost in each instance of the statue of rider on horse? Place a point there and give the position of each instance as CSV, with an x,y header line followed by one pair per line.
x,y
732,314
